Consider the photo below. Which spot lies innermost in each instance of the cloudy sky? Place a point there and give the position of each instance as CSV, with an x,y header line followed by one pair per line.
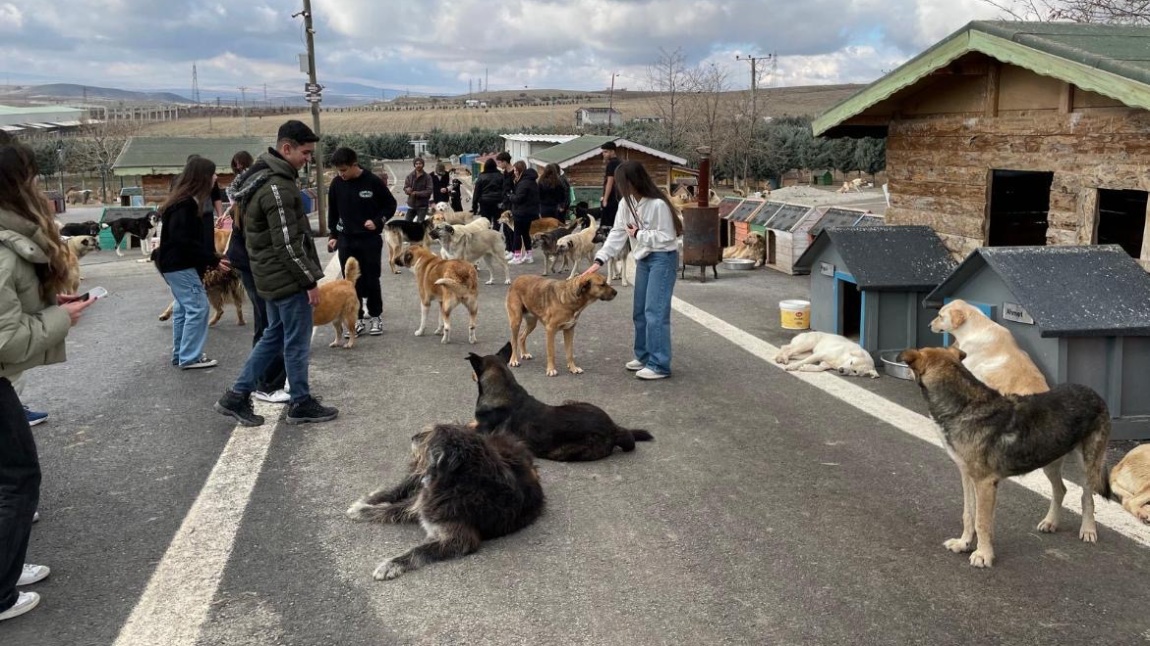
x,y
433,46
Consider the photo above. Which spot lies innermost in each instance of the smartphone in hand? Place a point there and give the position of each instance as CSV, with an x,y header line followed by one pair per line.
x,y
93,294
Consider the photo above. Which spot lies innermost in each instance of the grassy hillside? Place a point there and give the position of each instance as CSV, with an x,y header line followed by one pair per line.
x,y
794,101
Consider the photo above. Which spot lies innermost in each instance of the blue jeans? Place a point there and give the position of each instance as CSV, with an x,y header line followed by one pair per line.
x,y
189,315
651,312
288,334
272,378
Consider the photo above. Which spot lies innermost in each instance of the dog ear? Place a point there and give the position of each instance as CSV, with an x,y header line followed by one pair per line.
x,y
584,284
505,352
957,317
476,362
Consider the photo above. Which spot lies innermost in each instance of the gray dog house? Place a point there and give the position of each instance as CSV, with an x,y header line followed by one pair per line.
x,y
869,282
1082,313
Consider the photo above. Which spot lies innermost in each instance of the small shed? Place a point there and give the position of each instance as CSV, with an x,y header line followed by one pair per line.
x,y
786,234
739,219
836,216
727,205
582,162
157,160
1082,313
869,282
522,146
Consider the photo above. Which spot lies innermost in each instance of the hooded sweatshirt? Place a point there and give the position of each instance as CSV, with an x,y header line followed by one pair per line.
x,y
525,199
32,330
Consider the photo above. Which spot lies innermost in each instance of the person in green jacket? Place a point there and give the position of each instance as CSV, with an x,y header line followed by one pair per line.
x,y
35,316
286,269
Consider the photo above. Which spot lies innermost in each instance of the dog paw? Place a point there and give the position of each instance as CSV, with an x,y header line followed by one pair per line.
x,y
526,355
1143,514
575,370
419,332
471,338
791,367
333,343
552,372
358,510
489,282
957,545
1048,526
507,282
1088,534
982,558
387,571
513,363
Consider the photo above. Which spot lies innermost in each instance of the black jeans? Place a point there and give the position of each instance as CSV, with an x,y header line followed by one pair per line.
x,y
416,213
19,490
368,250
275,376
523,232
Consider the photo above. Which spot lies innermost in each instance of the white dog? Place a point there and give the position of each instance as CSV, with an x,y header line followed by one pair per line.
x,y
442,213
992,354
471,245
827,352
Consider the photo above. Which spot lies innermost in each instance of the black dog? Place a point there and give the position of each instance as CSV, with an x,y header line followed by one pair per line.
x,y
397,231
546,242
140,227
89,228
574,431
583,214
463,488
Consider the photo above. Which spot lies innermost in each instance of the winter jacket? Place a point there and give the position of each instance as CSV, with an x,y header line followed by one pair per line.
x,y
488,190
183,239
525,199
440,181
277,234
551,198
420,190
656,224
32,330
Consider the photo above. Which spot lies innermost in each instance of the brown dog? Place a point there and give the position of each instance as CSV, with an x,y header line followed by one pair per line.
x,y
339,304
1130,481
542,225
751,247
221,287
222,236
558,303
451,282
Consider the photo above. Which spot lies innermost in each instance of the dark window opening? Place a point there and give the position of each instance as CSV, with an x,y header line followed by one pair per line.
x,y
772,241
850,310
1019,204
1122,219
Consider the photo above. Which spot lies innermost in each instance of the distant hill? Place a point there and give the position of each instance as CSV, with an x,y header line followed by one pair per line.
x,y
71,92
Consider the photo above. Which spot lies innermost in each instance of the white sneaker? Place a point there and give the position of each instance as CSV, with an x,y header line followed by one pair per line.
x,y
647,373
634,365
517,260
24,602
507,255
33,574
530,259
278,397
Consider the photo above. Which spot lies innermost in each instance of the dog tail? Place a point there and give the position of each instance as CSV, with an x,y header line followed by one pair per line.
x,y
103,225
626,438
351,269
456,287
1094,457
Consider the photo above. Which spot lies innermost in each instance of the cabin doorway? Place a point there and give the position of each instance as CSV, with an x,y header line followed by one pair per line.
x,y
1122,220
1019,205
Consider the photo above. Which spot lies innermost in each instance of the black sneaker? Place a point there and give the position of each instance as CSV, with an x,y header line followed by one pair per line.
x,y
375,327
359,328
309,410
203,362
240,407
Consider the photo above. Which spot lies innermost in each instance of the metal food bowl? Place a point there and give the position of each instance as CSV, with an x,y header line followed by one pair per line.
x,y
895,368
739,264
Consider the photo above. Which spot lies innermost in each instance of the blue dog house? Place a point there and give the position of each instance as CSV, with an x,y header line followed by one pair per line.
x,y
1082,313
868,283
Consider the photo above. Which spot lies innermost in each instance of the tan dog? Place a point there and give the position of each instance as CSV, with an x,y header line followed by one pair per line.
x,y
78,247
442,214
751,247
577,246
221,287
451,282
541,225
991,351
339,304
222,236
1130,481
558,303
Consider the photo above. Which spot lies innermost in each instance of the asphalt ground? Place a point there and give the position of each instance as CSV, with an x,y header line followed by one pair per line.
x,y
767,511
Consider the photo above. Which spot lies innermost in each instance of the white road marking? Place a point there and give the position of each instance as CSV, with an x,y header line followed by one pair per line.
x,y
179,595
1109,514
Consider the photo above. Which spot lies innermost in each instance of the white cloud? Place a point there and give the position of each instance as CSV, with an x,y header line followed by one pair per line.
x,y
11,18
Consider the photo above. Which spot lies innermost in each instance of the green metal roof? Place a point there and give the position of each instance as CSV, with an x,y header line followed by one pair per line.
x,y
1112,60
574,148
169,155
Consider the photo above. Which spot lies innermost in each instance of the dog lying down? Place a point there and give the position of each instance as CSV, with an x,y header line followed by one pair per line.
x,y
992,437
1130,481
572,432
827,352
463,488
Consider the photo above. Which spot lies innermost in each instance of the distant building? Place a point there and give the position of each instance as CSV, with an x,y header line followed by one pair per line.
x,y
527,146
597,116
581,161
157,160
40,119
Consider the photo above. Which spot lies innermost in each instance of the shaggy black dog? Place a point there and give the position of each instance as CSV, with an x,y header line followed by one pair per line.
x,y
89,228
574,431
463,488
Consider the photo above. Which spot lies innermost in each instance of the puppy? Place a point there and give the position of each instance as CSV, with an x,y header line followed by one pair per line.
x,y
221,287
339,304
89,228
463,488
141,228
574,431
1130,481
443,214
398,231
558,303
78,247
993,436
752,247
472,246
827,352
451,282
577,246
545,243
992,354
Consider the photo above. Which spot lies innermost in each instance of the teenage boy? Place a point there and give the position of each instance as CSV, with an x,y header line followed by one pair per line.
x,y
610,199
417,187
358,204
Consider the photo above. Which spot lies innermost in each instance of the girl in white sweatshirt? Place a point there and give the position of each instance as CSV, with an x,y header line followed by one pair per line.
x,y
651,225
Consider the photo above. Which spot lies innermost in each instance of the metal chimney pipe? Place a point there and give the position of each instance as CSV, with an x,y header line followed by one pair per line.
x,y
704,175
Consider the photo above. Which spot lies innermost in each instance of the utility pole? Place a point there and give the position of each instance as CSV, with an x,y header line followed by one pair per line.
x,y
754,103
314,98
611,102
244,107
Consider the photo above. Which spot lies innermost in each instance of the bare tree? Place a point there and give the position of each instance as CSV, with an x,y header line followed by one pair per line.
x,y
97,147
1134,12
669,76
713,109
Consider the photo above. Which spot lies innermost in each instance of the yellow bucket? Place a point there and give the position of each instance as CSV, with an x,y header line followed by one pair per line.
x,y
796,314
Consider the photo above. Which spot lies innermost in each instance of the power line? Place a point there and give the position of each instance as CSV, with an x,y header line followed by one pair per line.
x,y
754,77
